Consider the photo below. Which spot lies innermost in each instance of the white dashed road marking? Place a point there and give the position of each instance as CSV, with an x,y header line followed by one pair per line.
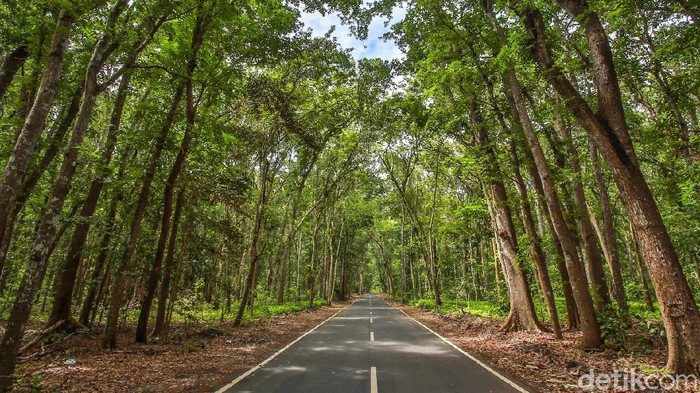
x,y
373,381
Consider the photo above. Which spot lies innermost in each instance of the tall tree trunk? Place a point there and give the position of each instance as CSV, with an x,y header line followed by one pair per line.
x,y
522,314
62,302
13,62
594,262
152,284
536,252
46,233
93,283
179,266
609,242
312,262
608,128
18,161
159,326
191,111
119,283
33,177
584,302
509,80
255,239
294,227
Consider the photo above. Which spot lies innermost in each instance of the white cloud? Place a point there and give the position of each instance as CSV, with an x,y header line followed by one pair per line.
x,y
372,47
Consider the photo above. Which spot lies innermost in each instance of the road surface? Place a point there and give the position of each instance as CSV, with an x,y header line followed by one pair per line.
x,y
372,347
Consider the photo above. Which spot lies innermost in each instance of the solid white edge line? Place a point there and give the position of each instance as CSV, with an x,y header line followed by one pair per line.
x,y
274,355
467,354
373,381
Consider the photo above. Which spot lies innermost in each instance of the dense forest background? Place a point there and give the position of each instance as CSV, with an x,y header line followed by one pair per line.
x,y
164,162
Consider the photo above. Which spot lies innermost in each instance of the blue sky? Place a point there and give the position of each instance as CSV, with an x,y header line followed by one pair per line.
x,y
374,46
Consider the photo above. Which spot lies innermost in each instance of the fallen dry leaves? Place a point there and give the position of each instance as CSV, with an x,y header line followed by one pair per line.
x,y
192,359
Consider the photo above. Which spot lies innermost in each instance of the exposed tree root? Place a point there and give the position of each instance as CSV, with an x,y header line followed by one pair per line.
x,y
69,326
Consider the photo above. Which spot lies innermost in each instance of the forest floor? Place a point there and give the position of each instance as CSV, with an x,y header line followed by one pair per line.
x,y
543,363
194,358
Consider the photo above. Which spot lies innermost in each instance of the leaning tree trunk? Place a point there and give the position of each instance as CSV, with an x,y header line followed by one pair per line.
x,y
608,240
18,162
142,325
62,302
32,178
522,314
255,239
109,337
573,315
536,252
13,62
191,109
46,232
159,326
584,302
608,128
594,262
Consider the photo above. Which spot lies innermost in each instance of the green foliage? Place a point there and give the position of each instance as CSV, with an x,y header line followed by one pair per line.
x,y
457,306
614,327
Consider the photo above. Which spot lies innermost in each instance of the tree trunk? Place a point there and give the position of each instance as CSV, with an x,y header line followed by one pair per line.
x,y
13,62
119,283
191,111
46,233
584,302
147,301
33,177
608,128
609,242
536,252
256,238
522,314
594,262
159,326
512,87
18,161
61,309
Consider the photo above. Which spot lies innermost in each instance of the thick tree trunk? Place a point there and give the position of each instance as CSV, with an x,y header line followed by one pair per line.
x,y
522,314
608,128
33,177
119,283
510,78
536,252
13,62
62,300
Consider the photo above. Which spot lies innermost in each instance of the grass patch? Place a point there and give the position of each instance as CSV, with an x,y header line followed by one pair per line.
x,y
482,308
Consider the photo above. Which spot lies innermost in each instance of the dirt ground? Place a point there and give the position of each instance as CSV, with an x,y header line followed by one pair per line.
x,y
544,364
192,359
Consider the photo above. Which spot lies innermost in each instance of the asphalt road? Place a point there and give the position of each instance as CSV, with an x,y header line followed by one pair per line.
x,y
372,347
